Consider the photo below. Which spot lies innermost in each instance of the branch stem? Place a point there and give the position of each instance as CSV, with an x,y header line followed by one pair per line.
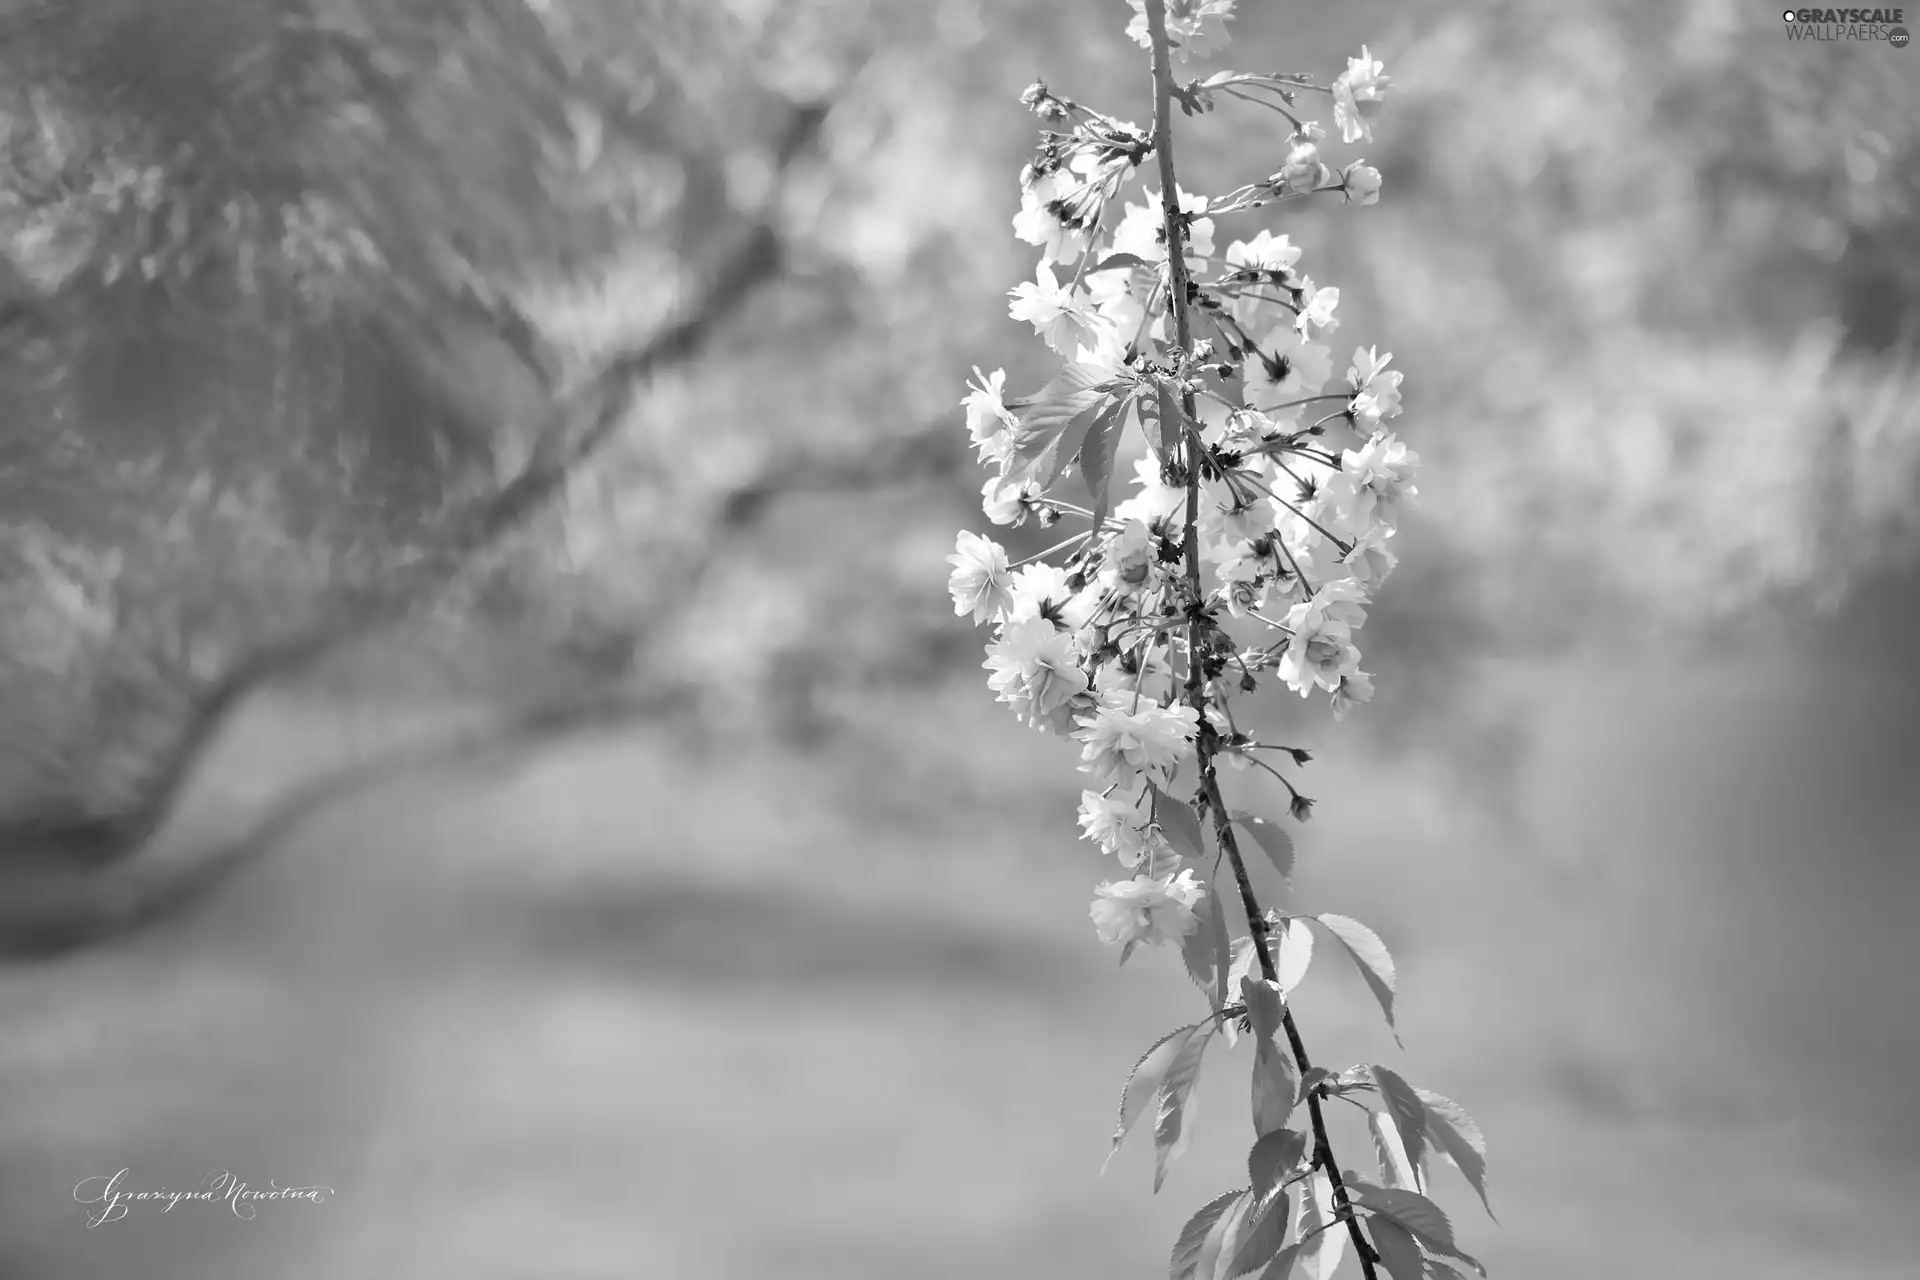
x,y
1199,627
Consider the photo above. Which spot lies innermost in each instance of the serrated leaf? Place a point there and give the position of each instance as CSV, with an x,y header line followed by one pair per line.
x,y
1143,1083
1459,1138
1277,1154
1255,1238
1293,952
1272,839
1096,455
1408,1111
1427,1220
1320,1257
1282,1265
1314,1078
1276,1086
1212,1249
1398,1252
1161,425
1184,1264
1172,1129
1051,423
1395,1169
1179,824
1115,261
1262,999
1369,955
1204,949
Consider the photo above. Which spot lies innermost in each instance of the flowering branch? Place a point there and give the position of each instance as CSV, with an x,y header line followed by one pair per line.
x,y
1199,634
1242,512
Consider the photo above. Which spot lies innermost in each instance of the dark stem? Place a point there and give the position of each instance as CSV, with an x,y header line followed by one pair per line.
x,y
1198,629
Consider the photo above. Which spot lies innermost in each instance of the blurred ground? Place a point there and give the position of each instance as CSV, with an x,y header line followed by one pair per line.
x,y
661,1003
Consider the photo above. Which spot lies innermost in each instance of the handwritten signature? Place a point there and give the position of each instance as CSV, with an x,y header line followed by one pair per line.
x,y
114,1199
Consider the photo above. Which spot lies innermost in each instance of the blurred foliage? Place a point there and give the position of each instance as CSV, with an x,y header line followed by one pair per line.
x,y
1651,269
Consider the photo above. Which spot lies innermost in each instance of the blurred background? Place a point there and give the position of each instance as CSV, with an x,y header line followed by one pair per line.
x,y
786,968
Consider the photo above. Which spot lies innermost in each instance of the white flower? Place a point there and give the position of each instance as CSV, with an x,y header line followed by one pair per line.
x,y
990,423
1375,481
1037,588
1118,825
1036,671
1375,388
1265,252
1303,170
1195,28
1055,312
1006,501
1284,368
979,580
1155,501
1368,559
1316,309
1355,688
1142,232
1145,909
1320,650
1128,735
1152,677
1129,559
1362,183
1037,223
1364,81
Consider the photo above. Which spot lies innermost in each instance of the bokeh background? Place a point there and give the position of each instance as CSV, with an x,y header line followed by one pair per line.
x,y
795,977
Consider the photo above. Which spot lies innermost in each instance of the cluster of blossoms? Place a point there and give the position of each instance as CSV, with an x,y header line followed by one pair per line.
x,y
1299,491
1260,522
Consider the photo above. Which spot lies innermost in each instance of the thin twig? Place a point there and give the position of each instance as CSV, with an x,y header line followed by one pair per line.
x,y
1198,631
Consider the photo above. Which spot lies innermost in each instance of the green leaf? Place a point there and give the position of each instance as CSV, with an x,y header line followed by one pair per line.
x,y
1262,999
1369,956
1271,838
1276,1086
1051,423
1293,952
1409,1113
1282,1265
1277,1154
1314,1078
1398,1252
1186,1250
1410,1209
1419,1215
1454,1131
1323,1251
1172,1129
1161,423
1143,1082
1096,456
1116,261
1204,949
1255,1238
1395,1169
1179,824
1211,1249
1217,929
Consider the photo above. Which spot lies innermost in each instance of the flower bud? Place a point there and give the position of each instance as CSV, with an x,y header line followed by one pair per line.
x,y
1361,183
1302,172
